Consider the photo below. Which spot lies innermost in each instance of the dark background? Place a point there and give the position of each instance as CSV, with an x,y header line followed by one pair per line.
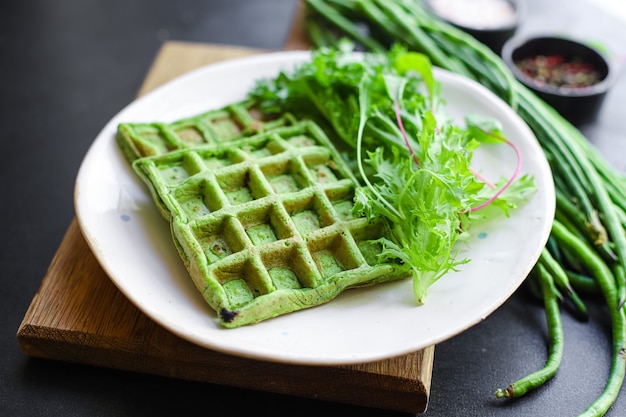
x,y
67,66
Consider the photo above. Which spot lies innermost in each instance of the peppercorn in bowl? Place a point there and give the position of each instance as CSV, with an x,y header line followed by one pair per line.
x,y
571,76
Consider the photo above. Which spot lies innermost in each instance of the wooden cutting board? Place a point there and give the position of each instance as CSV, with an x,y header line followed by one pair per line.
x,y
79,316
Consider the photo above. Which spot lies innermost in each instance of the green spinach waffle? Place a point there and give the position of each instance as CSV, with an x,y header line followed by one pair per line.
x,y
264,224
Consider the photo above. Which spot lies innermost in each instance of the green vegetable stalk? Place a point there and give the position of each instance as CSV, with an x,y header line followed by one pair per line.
x,y
550,295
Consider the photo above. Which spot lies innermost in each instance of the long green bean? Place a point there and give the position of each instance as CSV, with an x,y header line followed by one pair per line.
x,y
606,282
555,339
561,281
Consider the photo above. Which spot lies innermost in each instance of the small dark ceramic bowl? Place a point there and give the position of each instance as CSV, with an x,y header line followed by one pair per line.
x,y
494,33
579,105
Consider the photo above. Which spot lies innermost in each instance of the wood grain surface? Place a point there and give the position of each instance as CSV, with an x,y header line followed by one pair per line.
x,y
79,316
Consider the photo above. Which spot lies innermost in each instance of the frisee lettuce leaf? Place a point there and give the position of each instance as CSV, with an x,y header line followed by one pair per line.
x,y
385,113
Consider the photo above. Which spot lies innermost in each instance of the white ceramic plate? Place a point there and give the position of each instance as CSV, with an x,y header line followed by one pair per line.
x,y
132,241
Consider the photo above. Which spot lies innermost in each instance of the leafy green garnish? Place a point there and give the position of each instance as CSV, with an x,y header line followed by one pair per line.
x,y
414,164
425,224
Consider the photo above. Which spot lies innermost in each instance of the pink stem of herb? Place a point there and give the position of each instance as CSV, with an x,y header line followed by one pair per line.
x,y
518,168
483,179
404,135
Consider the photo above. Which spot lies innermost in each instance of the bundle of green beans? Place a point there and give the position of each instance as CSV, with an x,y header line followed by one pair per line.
x,y
586,251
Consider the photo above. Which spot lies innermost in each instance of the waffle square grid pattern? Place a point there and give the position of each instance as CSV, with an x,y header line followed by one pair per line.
x,y
260,210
